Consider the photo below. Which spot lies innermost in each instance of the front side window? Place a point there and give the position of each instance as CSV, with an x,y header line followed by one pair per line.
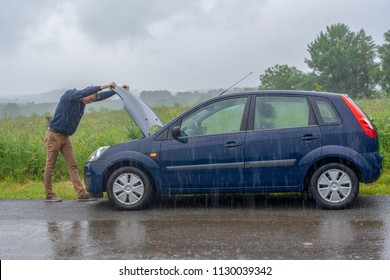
x,y
219,117
275,112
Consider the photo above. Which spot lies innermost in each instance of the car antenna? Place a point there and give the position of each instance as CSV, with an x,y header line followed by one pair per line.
x,y
236,83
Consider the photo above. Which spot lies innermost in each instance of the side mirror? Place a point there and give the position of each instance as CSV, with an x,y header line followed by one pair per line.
x,y
176,132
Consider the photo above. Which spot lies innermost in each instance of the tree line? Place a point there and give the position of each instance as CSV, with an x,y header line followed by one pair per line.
x,y
156,98
340,60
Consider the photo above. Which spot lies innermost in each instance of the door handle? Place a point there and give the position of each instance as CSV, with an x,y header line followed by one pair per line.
x,y
309,137
232,145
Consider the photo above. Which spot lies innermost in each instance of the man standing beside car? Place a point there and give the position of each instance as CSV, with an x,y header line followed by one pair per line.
x,y
67,116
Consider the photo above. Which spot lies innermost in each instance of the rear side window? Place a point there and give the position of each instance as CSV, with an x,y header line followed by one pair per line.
x,y
326,113
275,112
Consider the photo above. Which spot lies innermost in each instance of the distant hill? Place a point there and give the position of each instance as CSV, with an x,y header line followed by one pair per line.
x,y
47,97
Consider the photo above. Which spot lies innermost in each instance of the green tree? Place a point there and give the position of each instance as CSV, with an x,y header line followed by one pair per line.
x,y
343,60
384,72
285,77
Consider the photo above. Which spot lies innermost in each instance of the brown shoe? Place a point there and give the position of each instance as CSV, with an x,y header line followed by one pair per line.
x,y
86,197
53,198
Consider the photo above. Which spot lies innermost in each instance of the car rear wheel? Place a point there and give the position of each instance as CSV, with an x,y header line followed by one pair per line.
x,y
129,188
334,186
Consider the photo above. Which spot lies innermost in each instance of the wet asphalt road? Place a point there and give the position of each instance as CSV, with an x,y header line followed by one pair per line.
x,y
264,227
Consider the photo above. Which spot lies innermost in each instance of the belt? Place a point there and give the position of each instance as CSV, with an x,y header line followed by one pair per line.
x,y
56,131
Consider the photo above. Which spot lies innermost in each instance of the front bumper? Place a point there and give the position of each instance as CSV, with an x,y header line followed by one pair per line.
x,y
94,177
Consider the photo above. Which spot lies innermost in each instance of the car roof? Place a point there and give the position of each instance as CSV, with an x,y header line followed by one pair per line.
x,y
284,92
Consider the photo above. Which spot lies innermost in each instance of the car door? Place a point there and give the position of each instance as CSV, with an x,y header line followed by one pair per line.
x,y
284,132
208,150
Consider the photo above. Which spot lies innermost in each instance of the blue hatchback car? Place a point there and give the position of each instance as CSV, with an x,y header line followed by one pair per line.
x,y
248,142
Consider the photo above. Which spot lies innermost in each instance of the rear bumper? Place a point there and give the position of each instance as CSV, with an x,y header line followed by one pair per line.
x,y
371,167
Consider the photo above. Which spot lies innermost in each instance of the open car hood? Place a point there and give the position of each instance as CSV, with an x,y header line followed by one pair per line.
x,y
138,110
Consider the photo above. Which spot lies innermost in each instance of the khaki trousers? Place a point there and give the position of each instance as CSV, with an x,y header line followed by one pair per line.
x,y
60,143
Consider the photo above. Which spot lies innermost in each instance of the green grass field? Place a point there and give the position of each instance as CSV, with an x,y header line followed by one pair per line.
x,y
22,148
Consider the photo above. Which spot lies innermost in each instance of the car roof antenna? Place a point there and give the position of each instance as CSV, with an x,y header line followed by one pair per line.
x,y
236,83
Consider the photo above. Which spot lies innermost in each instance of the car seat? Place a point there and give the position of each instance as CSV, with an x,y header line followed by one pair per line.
x,y
265,116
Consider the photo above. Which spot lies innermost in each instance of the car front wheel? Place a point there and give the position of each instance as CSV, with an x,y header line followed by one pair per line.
x,y
129,188
334,186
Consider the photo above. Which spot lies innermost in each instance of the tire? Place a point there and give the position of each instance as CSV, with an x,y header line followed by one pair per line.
x,y
129,188
334,186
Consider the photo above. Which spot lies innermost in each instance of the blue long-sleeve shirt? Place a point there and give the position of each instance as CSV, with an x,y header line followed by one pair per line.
x,y
70,109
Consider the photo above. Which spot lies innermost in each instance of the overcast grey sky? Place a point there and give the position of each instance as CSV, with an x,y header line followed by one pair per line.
x,y
176,45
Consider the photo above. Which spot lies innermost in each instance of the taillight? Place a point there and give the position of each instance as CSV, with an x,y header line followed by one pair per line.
x,y
360,117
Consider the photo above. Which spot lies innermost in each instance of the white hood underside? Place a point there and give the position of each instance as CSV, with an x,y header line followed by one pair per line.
x,y
138,110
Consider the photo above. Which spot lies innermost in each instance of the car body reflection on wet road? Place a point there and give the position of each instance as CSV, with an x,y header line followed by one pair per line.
x,y
264,227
